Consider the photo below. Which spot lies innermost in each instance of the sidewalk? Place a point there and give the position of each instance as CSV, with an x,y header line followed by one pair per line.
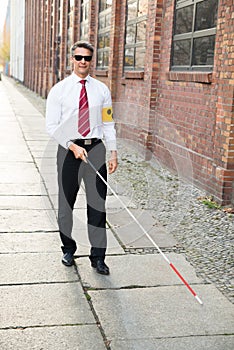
x,y
45,305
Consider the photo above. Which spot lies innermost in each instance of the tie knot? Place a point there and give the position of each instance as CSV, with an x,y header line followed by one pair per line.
x,y
83,82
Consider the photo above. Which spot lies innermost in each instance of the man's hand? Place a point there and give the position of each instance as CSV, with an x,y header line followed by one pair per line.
x,y
113,162
79,152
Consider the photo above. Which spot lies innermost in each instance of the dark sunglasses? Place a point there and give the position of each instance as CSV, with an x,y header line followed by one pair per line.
x,y
86,58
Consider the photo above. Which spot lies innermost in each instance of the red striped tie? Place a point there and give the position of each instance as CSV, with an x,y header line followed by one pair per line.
x,y
83,120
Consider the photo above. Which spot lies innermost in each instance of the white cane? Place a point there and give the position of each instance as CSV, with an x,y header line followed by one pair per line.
x,y
147,235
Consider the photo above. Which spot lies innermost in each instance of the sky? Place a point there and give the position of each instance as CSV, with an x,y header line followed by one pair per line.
x,y
3,5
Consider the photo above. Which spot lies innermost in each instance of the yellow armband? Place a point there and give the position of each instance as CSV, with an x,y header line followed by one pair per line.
x,y
107,114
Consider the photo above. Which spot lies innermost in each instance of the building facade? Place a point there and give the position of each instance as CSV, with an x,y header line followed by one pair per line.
x,y
5,43
17,24
169,65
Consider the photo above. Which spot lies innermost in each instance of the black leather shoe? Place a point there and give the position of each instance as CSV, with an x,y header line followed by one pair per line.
x,y
101,267
68,259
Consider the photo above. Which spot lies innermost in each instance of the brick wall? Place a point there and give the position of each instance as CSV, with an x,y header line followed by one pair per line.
x,y
184,119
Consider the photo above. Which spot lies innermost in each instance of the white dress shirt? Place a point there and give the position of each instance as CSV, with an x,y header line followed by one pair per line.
x,y
62,109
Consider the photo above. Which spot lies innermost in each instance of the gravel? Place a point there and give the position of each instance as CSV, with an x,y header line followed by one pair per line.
x,y
204,234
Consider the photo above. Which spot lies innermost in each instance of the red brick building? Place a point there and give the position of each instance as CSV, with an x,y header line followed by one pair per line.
x,y
169,65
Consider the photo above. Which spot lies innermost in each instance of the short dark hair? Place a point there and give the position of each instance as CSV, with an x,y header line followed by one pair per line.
x,y
84,44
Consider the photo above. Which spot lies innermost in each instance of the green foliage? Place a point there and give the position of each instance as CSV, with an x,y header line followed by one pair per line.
x,y
210,203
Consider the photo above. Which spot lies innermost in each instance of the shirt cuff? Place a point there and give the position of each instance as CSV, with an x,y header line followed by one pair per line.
x,y
68,144
111,145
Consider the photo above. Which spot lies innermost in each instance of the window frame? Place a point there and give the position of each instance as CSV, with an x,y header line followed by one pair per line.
x,y
136,44
84,23
179,4
103,32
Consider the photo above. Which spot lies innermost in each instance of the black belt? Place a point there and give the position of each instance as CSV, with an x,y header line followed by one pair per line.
x,y
86,142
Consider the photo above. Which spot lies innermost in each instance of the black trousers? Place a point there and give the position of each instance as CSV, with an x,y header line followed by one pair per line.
x,y
70,173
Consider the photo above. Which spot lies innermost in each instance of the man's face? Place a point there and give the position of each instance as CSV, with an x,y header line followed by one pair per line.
x,y
81,68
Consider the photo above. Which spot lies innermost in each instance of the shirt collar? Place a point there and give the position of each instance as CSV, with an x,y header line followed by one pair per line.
x,y
77,79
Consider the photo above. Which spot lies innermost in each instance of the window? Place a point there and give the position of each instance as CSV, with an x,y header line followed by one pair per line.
x,y
135,36
194,35
84,20
104,23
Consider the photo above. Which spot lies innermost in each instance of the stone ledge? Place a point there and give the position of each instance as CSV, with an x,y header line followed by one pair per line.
x,y
101,73
134,75
196,77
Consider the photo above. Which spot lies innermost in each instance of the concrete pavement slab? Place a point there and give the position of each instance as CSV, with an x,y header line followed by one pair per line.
x,y
158,234
133,236
31,121
51,154
20,103
18,189
44,305
45,162
10,126
163,312
42,145
35,242
79,204
27,220
25,268
115,207
36,135
51,186
138,270
15,157
18,173
182,343
83,337
25,202
6,115
13,133
81,237
48,170
122,218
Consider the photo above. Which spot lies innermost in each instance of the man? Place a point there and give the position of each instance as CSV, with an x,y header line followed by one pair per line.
x,y
78,117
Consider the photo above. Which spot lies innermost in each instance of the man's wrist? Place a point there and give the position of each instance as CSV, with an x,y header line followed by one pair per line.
x,y
69,143
114,154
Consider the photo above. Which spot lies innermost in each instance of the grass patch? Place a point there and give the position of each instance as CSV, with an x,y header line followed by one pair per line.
x,y
209,202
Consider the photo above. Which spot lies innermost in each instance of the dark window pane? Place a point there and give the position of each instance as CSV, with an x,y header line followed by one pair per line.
x,y
107,40
108,20
129,58
132,10
184,20
86,11
206,14
181,53
141,31
142,7
140,58
100,59
101,22
101,41
203,51
102,5
131,34
84,29
106,59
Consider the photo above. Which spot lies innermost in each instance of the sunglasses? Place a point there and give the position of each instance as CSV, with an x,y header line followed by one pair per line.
x,y
79,58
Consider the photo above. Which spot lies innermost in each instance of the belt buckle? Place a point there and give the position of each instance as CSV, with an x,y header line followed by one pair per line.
x,y
88,142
